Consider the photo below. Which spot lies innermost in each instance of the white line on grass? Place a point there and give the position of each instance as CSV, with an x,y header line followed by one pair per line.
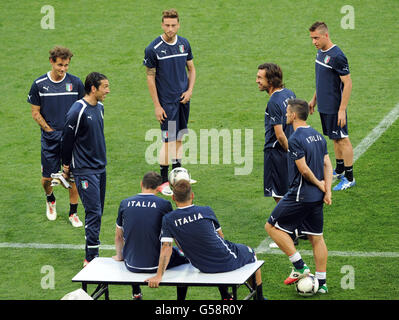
x,y
263,248
361,148
50,246
368,141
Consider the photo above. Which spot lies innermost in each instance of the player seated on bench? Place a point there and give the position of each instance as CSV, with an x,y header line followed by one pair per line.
x,y
196,230
137,232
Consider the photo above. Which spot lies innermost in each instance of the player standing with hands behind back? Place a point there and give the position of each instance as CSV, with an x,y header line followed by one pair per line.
x,y
333,90
302,205
166,59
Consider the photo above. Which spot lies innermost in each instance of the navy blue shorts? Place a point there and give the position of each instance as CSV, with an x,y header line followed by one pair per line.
x,y
275,173
289,215
50,153
175,125
329,123
244,255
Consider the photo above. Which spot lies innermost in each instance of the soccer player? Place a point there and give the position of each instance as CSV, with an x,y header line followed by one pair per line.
x,y
138,227
51,95
275,165
302,205
197,232
275,175
333,90
84,154
170,78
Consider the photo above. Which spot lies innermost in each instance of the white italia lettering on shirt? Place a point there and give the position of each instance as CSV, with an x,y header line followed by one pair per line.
x,y
313,138
142,204
188,219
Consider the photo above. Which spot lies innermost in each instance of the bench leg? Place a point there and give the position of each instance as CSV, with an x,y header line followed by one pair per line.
x,y
234,292
253,278
181,292
251,285
101,289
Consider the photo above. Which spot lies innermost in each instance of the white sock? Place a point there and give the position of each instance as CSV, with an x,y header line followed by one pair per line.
x,y
295,257
321,275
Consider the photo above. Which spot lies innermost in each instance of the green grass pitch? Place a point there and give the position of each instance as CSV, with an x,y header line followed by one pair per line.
x,y
229,40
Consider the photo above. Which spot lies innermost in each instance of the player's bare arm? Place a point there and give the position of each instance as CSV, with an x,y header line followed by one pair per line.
x,y
327,179
280,135
36,115
186,96
346,93
164,257
312,103
308,174
119,243
160,113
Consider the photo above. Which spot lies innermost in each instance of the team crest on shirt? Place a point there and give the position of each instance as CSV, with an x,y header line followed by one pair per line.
x,y
181,48
68,87
85,184
327,59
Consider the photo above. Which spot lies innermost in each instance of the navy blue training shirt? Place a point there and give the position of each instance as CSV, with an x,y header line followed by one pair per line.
x,y
170,62
306,142
140,217
83,141
275,114
329,66
195,230
55,98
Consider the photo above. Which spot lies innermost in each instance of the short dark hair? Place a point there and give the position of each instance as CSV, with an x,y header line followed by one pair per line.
x,y
300,107
319,25
152,180
93,79
274,74
60,52
171,13
182,190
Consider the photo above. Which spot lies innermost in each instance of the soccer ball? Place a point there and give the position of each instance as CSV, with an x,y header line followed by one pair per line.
x,y
307,286
178,174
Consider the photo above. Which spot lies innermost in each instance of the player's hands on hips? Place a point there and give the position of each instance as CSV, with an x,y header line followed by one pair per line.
x,y
154,281
186,96
160,114
341,118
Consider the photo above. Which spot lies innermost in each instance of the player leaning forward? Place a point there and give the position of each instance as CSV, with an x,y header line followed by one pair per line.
x,y
310,187
84,154
171,86
51,95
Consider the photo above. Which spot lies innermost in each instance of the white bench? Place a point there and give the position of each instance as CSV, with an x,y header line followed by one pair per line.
x,y
107,271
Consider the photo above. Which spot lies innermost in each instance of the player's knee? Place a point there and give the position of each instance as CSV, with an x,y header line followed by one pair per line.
x,y
46,181
315,239
343,141
268,227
